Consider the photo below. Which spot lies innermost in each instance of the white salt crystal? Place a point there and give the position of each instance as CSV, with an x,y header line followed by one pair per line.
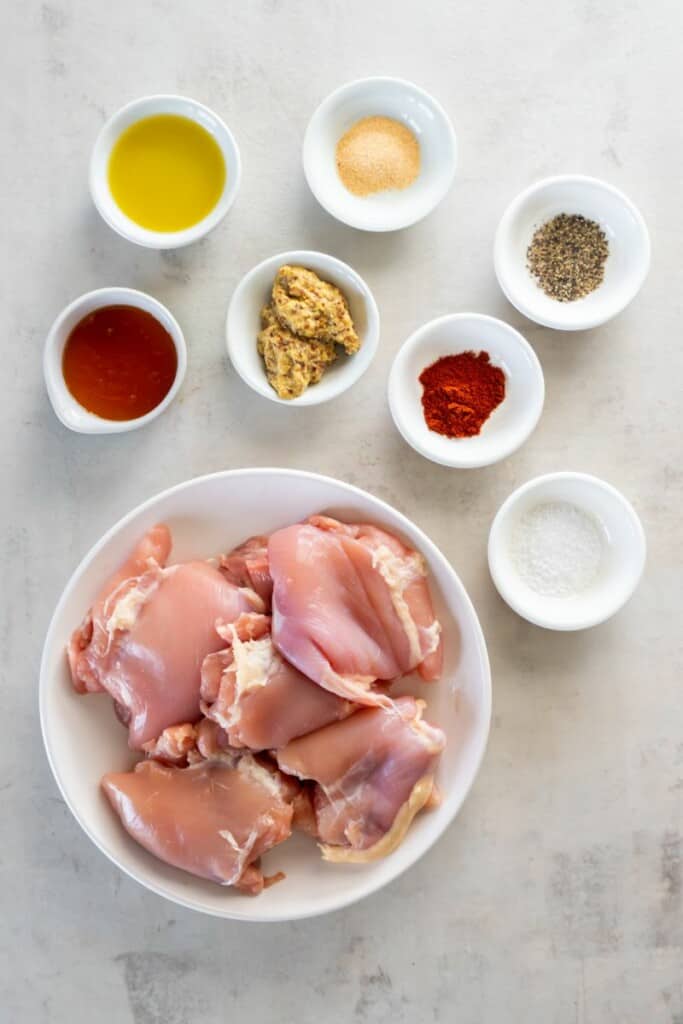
x,y
557,549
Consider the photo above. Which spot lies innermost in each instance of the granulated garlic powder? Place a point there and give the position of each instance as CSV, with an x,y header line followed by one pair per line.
x,y
377,154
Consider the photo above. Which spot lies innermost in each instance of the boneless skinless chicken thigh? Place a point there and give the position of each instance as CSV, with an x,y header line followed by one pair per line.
x,y
258,698
247,566
213,818
351,606
148,632
205,680
373,773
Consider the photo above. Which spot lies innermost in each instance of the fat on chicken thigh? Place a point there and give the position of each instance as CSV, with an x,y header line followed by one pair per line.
x,y
351,606
214,818
373,772
258,698
148,632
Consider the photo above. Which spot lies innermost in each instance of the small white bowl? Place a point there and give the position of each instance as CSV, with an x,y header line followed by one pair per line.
x,y
623,559
507,427
384,97
627,263
148,106
244,323
68,410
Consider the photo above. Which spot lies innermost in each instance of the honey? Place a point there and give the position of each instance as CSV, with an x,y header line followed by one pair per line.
x,y
119,362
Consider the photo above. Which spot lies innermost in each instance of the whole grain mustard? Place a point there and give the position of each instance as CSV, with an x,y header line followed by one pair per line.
x,y
302,327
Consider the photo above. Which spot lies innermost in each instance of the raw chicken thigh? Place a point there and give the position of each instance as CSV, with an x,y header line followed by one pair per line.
x,y
213,819
188,744
351,605
150,553
191,742
148,633
374,772
247,566
252,724
259,699
177,744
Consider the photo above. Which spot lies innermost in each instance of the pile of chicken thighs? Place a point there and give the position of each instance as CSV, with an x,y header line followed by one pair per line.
x,y
256,686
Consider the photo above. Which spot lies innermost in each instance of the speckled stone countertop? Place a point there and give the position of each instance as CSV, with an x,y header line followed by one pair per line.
x,y
557,895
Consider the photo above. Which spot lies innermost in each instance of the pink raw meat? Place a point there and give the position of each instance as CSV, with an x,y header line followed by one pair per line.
x,y
213,819
148,633
258,698
247,566
373,772
351,606
189,744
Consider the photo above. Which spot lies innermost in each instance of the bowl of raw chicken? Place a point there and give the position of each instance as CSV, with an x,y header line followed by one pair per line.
x,y
264,694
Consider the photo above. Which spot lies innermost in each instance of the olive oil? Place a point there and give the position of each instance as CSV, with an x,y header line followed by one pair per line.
x,y
166,172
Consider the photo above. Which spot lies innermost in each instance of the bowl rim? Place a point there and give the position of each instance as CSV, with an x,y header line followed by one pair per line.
x,y
324,108
435,553
123,225
355,370
500,579
58,393
413,342
563,322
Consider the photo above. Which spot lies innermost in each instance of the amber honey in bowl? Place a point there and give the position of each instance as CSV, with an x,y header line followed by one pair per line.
x,y
119,362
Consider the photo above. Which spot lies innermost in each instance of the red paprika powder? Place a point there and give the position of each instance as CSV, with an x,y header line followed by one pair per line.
x,y
460,392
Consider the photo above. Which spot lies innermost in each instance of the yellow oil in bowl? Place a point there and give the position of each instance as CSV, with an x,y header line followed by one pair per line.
x,y
166,172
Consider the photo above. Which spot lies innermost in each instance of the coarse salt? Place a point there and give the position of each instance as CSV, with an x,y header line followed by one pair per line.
x,y
557,549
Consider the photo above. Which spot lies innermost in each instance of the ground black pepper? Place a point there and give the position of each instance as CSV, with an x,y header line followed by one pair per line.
x,y
567,257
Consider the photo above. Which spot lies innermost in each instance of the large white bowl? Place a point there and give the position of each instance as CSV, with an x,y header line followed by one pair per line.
x,y
243,324
401,101
149,106
627,263
83,739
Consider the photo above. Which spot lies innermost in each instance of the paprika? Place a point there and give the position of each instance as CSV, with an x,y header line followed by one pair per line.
x,y
460,392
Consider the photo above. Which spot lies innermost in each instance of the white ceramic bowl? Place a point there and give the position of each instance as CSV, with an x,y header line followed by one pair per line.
x,y
244,323
84,740
623,559
72,414
387,97
99,165
507,427
627,263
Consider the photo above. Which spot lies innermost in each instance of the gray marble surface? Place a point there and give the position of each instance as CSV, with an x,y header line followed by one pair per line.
x,y
557,895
